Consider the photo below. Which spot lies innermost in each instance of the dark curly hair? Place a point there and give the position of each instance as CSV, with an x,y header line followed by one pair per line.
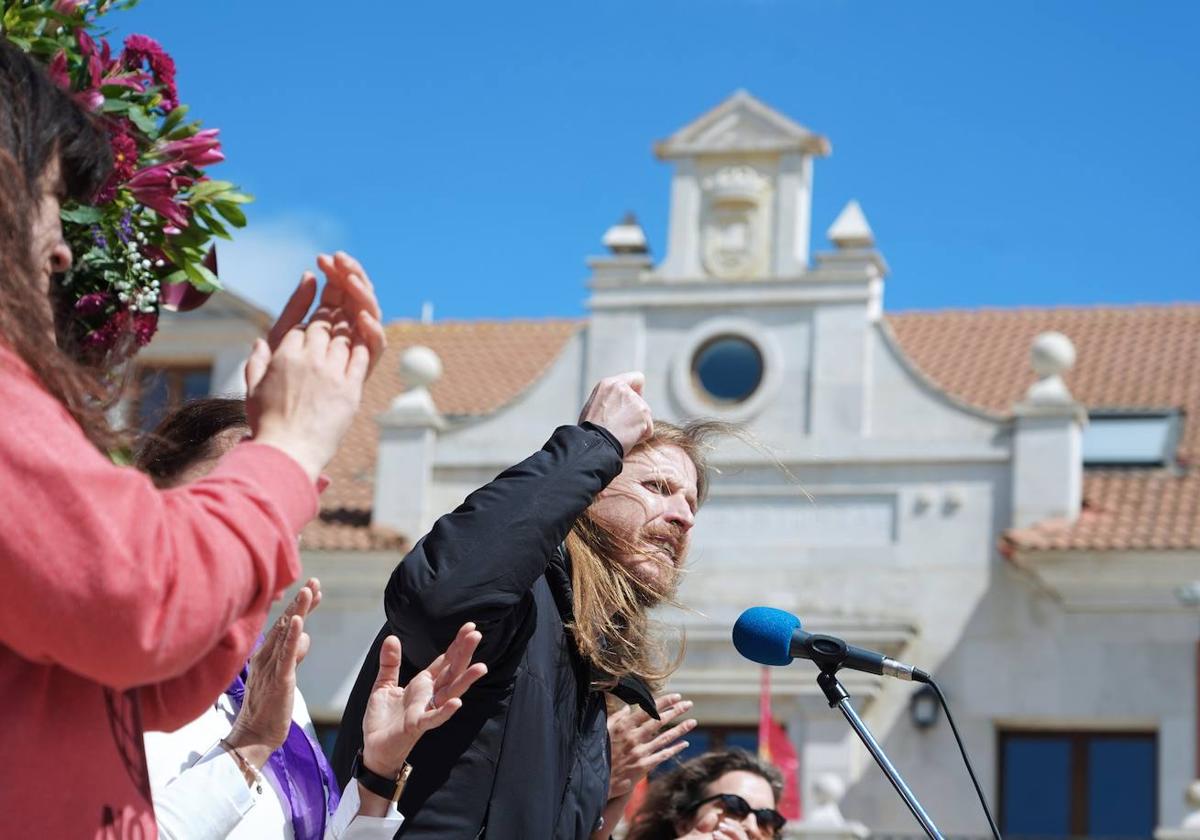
x,y
186,435
667,800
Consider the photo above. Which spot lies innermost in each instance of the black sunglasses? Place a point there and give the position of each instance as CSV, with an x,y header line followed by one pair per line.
x,y
739,809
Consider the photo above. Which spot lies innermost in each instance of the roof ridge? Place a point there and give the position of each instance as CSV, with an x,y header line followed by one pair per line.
x,y
1156,306
445,322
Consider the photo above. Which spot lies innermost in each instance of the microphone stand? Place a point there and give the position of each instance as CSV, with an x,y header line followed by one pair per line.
x,y
838,697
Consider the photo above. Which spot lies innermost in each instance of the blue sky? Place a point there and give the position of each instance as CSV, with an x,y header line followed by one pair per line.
x,y
1026,152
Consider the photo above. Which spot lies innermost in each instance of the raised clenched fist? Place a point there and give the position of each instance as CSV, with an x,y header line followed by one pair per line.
x,y
616,404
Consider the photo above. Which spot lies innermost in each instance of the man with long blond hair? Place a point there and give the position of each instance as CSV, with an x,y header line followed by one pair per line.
x,y
557,561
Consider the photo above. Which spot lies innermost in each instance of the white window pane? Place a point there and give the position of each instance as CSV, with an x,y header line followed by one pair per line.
x,y
1127,440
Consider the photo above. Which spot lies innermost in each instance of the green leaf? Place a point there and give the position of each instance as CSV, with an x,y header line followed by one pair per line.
x,y
184,131
179,276
201,277
45,46
174,119
82,214
115,106
205,190
216,227
238,198
232,213
145,123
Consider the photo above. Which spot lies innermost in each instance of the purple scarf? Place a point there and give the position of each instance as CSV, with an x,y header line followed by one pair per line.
x,y
300,769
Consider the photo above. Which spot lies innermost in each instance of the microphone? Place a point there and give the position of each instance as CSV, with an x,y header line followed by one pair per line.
x,y
773,637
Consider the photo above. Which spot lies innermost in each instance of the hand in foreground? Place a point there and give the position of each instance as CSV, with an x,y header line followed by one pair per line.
x,y
616,404
714,826
397,717
304,383
348,298
640,743
262,724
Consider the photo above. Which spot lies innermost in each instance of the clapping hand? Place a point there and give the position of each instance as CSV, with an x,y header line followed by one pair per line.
x,y
263,722
304,382
397,717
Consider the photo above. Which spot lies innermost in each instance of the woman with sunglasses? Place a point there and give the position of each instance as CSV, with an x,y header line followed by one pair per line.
x,y
728,795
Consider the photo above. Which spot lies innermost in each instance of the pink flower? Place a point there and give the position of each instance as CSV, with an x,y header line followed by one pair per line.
x,y
200,150
157,188
125,160
68,7
145,324
104,338
101,70
91,100
87,46
59,74
92,304
141,49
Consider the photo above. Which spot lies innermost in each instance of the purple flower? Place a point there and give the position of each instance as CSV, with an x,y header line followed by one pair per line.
x,y
98,237
125,231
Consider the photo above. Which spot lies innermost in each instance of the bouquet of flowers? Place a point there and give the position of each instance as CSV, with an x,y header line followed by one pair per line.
x,y
146,241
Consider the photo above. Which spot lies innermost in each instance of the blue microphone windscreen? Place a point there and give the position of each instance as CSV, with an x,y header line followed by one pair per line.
x,y
764,635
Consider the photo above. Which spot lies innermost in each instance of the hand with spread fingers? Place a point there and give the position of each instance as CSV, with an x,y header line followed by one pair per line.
x,y
265,717
397,717
640,743
304,382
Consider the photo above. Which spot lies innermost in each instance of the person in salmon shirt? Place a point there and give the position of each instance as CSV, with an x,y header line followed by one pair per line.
x,y
126,607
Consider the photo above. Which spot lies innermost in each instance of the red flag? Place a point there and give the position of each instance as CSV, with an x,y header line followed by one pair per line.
x,y
775,746
635,800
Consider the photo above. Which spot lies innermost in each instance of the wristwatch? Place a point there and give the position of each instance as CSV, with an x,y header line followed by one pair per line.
x,y
385,786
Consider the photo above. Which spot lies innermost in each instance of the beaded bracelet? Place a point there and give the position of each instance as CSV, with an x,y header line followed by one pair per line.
x,y
253,775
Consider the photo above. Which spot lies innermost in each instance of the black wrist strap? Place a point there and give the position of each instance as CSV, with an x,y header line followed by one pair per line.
x,y
385,786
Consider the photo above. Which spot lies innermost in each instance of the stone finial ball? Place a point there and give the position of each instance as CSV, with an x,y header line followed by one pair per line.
x,y
828,787
1052,354
420,367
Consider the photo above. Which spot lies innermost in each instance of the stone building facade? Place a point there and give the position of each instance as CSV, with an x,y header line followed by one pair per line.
x,y
1003,497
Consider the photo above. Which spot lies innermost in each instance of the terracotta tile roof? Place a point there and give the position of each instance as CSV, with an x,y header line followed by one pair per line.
x,y
343,530
1128,357
486,365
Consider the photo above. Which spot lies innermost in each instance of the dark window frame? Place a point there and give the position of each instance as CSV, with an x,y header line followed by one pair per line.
x,y
1175,418
1079,740
174,374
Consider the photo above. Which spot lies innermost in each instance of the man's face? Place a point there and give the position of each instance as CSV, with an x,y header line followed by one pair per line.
x,y
51,253
649,509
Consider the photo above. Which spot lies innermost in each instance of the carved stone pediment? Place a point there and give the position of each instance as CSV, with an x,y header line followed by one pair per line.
x,y
741,124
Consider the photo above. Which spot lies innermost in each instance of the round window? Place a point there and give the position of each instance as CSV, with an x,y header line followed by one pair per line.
x,y
728,369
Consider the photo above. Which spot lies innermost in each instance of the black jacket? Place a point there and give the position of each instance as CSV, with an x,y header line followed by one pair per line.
x,y
526,757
